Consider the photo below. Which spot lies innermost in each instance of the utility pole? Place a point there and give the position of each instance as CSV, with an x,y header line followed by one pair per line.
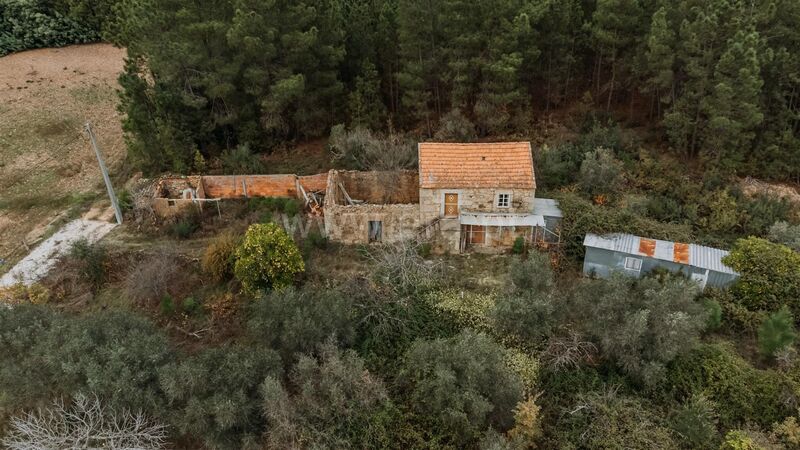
x,y
103,169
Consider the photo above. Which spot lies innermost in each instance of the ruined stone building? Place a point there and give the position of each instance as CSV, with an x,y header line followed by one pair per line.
x,y
465,196
479,197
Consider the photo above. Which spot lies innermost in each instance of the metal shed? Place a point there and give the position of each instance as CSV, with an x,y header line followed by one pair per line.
x,y
635,256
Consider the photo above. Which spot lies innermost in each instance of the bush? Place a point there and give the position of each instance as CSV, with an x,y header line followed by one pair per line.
x,y
267,258
152,277
335,403
769,275
527,310
519,246
608,419
30,24
91,261
776,333
220,256
167,306
214,395
741,392
401,267
783,233
298,321
114,354
714,311
641,325
241,161
191,306
360,149
291,207
462,385
600,173
455,127
125,200
695,422
558,166
184,225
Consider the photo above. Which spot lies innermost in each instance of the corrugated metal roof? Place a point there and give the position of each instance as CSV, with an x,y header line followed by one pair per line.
x,y
547,207
698,255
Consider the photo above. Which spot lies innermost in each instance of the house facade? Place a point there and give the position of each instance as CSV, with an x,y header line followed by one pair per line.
x,y
635,256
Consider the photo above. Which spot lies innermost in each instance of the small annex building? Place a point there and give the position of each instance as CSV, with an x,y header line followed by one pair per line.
x,y
634,256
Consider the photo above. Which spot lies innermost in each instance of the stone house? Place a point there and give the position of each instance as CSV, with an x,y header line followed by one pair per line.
x,y
479,197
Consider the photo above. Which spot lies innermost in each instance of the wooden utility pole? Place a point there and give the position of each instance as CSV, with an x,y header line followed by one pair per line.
x,y
104,170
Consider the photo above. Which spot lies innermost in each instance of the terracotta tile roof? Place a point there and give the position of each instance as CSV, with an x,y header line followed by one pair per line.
x,y
481,165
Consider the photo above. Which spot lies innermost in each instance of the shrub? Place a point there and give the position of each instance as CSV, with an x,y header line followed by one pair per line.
x,y
91,261
401,267
86,423
214,395
35,24
184,226
360,149
738,440
167,306
695,422
783,233
298,321
607,419
114,354
461,384
152,277
600,173
526,311
468,309
291,207
241,161
335,403
714,312
519,246
769,275
641,325
776,333
267,258
220,256
741,392
125,200
455,127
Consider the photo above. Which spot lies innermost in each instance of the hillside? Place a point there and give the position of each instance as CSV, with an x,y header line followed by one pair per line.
x,y
47,168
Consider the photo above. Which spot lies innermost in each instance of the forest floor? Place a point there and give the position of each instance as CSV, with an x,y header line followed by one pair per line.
x,y
48,172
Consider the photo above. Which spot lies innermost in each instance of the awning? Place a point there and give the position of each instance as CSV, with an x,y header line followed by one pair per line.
x,y
501,219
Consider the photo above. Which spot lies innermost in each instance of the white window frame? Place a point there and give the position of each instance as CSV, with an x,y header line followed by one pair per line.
x,y
635,261
499,196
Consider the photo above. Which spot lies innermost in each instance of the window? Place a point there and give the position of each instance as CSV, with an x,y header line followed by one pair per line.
x,y
375,230
170,202
633,264
503,200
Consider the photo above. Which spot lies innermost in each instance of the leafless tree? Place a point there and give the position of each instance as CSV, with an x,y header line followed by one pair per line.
x,y
149,280
369,151
567,352
401,266
84,424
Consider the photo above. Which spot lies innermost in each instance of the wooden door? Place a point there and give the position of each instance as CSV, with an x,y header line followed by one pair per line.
x,y
451,205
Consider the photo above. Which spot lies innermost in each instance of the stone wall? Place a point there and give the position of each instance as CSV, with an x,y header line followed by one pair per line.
x,y
350,224
238,186
379,187
474,200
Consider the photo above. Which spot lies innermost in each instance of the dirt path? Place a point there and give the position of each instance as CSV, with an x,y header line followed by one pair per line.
x,y
38,262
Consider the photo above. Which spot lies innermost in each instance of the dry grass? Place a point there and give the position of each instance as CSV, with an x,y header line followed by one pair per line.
x,y
46,165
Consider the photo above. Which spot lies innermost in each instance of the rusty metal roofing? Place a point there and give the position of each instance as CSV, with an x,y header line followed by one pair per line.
x,y
689,254
480,165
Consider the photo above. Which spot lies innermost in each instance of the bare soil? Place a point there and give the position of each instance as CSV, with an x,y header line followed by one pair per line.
x,y
48,172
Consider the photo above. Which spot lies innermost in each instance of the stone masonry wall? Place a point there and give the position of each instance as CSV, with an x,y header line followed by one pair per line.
x,y
480,200
350,224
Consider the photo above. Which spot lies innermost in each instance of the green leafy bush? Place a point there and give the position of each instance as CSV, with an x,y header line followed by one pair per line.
x,y
462,385
695,422
519,246
600,173
214,395
29,24
220,256
769,275
331,402
741,392
455,127
92,260
527,310
267,258
298,321
776,333
241,161
167,306
783,233
184,226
